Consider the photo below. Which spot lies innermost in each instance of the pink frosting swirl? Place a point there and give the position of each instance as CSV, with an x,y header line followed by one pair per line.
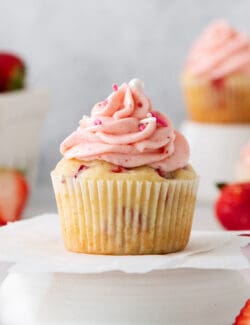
x,y
220,51
126,131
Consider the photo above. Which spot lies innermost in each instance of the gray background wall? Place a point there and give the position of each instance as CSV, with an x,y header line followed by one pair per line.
x,y
77,49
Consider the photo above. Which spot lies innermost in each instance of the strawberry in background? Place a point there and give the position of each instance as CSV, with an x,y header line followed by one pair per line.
x,y
232,207
244,317
12,72
14,191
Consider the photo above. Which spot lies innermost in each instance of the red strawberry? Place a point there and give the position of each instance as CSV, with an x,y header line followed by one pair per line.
x,y
14,192
117,169
233,206
218,83
244,317
12,72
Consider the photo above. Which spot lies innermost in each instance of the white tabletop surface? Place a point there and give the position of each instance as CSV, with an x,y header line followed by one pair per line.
x,y
173,297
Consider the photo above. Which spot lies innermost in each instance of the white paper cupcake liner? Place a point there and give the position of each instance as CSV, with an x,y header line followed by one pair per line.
x,y
21,116
125,217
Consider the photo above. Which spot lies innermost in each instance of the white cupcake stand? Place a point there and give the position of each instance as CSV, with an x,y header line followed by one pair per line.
x,y
215,152
174,297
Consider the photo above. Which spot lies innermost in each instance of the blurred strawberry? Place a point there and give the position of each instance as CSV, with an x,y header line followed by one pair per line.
x,y
244,317
233,206
12,72
14,192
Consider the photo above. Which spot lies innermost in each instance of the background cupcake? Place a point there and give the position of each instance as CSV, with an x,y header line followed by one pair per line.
x,y
124,185
216,79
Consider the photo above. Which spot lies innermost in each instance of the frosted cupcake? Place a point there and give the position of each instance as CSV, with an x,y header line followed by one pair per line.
x,y
124,185
216,79
243,167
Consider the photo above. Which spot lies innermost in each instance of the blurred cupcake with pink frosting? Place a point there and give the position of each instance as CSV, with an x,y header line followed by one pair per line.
x,y
216,77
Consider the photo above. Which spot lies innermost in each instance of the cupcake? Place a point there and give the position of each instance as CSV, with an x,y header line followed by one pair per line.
x,y
216,78
124,185
243,167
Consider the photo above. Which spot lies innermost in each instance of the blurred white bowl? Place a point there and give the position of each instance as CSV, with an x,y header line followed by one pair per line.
x,y
215,150
21,116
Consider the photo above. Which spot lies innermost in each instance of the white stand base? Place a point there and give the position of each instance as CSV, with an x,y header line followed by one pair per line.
x,y
215,151
176,297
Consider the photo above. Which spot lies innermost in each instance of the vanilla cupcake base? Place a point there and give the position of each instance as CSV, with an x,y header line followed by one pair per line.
x,y
220,101
125,216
